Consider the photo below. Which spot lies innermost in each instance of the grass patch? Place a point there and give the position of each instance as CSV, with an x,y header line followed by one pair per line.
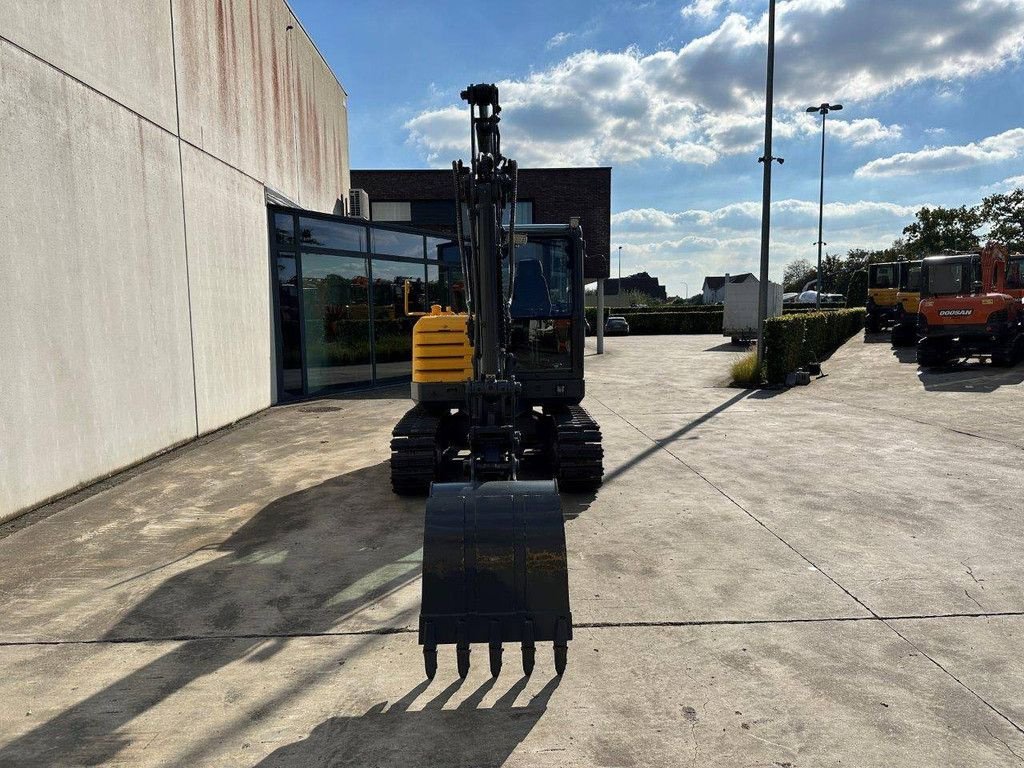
x,y
745,370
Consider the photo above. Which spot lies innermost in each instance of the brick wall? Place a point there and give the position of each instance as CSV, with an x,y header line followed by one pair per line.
x,y
556,193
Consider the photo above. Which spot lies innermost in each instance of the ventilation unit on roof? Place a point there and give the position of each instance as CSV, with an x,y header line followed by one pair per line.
x,y
359,204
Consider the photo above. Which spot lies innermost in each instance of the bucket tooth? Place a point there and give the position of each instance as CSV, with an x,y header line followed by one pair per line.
x,y
529,648
561,659
495,649
494,652
462,648
429,650
561,646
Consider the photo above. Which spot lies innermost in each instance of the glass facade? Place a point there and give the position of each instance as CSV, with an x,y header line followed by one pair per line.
x,y
347,294
288,321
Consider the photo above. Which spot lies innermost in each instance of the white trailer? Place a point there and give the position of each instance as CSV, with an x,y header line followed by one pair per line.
x,y
739,320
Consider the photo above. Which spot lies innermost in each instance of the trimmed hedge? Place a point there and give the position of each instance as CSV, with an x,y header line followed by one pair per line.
x,y
591,312
654,323
793,341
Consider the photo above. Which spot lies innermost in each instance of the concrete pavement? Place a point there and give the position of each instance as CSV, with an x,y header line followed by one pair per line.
x,y
824,576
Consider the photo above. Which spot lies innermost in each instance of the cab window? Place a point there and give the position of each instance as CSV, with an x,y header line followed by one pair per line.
x,y
1015,272
882,276
543,279
911,278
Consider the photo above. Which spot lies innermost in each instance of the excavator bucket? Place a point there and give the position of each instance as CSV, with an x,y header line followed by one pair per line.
x,y
494,571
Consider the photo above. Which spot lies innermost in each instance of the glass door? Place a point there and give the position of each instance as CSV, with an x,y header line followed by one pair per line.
x,y
336,321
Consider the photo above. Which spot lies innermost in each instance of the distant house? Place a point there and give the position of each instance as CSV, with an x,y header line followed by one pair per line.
x,y
614,289
714,287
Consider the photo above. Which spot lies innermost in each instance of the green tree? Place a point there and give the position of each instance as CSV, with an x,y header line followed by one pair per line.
x,y
857,292
797,274
940,229
1005,216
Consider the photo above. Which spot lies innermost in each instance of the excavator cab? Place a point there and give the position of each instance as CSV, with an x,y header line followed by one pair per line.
x,y
883,283
908,298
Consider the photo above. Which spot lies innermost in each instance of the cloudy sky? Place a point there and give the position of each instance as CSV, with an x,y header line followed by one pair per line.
x,y
671,94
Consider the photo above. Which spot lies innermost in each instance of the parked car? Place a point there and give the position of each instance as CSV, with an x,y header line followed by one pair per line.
x,y
811,297
616,326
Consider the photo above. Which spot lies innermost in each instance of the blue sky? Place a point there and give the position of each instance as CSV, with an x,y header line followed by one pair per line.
x,y
671,95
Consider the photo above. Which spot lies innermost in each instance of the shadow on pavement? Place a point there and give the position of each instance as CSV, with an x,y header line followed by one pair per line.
x,y
399,736
301,565
906,355
882,337
730,347
397,391
970,377
669,439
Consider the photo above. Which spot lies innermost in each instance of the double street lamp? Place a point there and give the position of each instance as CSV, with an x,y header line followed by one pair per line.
x,y
823,110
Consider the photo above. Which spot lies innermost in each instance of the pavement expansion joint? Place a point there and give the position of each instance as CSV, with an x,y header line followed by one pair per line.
x,y
651,624
957,680
922,422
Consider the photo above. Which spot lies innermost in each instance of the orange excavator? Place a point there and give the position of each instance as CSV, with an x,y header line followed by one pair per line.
x,y
971,306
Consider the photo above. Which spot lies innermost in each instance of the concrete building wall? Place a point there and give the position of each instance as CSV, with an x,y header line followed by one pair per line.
x,y
94,346
120,48
135,304
225,219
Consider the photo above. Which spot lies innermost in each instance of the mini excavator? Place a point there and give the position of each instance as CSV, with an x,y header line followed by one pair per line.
x,y
496,386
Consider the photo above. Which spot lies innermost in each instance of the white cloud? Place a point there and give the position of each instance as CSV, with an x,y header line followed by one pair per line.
x,y
703,9
558,39
999,148
1006,185
704,100
861,132
685,246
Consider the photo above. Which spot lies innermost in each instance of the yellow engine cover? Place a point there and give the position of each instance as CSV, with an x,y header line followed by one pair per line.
x,y
883,297
910,300
440,348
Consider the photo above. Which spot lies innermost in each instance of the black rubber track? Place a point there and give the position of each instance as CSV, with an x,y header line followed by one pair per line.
x,y
414,452
579,456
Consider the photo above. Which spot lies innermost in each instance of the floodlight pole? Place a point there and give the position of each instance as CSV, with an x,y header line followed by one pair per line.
x,y
766,193
822,110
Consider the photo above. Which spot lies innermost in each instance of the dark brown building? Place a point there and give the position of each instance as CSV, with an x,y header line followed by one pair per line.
x,y
640,282
425,199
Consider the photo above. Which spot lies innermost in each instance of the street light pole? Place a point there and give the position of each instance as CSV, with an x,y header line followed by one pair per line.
x,y
822,109
620,268
766,193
